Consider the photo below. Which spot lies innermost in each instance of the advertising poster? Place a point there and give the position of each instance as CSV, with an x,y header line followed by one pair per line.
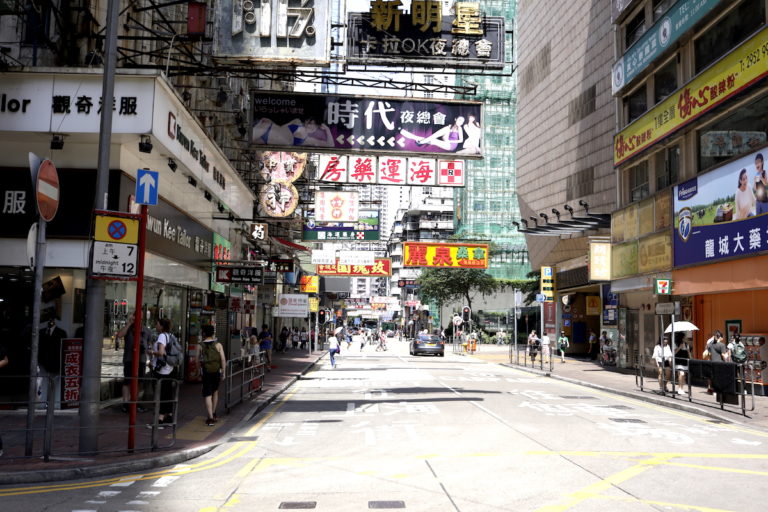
x,y
72,359
382,267
356,124
292,305
419,254
365,228
722,213
309,284
337,206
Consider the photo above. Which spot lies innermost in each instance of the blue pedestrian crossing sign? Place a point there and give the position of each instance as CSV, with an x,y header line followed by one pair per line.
x,y
147,183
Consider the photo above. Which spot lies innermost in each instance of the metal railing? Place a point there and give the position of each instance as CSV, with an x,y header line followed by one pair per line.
x,y
57,419
244,378
744,388
521,354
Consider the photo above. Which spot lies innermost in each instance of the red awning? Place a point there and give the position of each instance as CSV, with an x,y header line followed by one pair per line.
x,y
289,244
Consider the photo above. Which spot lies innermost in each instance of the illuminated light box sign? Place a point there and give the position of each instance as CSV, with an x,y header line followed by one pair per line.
x,y
337,206
365,228
418,254
360,124
391,170
382,267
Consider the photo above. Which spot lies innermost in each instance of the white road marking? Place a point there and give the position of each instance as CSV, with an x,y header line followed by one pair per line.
x,y
137,502
107,494
736,440
148,494
165,481
126,483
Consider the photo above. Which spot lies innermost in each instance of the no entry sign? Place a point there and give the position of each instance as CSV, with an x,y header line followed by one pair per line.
x,y
47,190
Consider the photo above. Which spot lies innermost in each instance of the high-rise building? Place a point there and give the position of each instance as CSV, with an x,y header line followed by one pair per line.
x,y
486,207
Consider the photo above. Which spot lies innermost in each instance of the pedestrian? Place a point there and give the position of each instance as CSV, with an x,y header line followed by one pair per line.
x,y
126,333
533,346
283,339
164,373
303,338
682,355
213,367
718,352
545,347
4,361
500,338
736,347
334,347
253,343
49,360
594,346
265,343
662,356
294,338
359,338
531,337
563,344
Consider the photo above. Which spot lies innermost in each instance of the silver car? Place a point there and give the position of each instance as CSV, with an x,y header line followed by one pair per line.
x,y
427,344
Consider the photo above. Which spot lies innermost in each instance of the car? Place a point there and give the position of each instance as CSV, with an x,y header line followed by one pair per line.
x,y
390,334
427,344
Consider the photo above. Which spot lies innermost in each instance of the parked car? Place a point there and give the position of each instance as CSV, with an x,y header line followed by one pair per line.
x,y
427,344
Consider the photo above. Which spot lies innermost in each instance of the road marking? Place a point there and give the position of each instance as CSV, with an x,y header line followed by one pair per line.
x,y
108,494
665,504
125,483
165,481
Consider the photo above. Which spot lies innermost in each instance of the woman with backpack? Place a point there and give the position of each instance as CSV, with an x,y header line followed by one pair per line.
x,y
213,368
164,373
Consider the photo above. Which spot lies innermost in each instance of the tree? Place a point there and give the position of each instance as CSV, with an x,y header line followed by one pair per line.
x,y
442,285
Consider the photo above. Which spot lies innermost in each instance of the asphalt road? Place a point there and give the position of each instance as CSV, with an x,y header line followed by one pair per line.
x,y
388,431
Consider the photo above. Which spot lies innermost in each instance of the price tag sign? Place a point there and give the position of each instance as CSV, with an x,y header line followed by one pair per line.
x,y
114,259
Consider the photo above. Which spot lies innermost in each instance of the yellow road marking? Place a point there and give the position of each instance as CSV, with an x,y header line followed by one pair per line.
x,y
682,506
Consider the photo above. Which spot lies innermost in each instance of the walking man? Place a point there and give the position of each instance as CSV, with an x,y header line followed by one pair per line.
x,y
146,339
562,344
213,367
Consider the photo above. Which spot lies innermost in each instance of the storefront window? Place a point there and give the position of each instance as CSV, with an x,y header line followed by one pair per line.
x,y
728,32
741,132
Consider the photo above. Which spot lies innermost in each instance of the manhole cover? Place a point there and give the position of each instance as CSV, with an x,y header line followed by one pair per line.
x,y
386,504
574,397
297,505
626,420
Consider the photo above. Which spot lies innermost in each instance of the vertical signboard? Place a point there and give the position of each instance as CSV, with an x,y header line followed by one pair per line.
x,y
547,283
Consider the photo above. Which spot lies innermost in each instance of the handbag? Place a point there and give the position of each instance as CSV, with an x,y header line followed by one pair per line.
x,y
706,355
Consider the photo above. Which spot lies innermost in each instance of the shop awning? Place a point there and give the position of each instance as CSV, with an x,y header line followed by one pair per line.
x,y
289,244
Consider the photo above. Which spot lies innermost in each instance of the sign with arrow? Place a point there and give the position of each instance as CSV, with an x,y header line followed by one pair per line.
x,y
147,183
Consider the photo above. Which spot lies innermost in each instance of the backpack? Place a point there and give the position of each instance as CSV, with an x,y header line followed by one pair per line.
x,y
172,350
211,357
739,353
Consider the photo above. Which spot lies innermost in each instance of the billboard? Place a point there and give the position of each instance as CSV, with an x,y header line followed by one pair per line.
x,y
420,254
292,305
425,41
382,267
275,31
337,206
309,284
391,170
366,228
361,124
719,82
723,213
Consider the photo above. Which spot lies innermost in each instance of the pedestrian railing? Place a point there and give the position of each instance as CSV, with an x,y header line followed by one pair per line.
x,y
522,355
56,418
244,378
732,387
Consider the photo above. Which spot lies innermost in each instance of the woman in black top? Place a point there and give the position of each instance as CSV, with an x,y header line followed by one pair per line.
x,y
682,355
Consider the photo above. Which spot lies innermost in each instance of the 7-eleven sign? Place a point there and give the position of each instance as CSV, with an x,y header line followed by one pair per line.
x,y
663,287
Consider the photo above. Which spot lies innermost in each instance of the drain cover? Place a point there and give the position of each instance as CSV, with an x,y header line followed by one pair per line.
x,y
297,505
386,504
626,420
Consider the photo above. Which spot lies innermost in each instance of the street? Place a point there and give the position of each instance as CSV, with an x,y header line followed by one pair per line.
x,y
385,430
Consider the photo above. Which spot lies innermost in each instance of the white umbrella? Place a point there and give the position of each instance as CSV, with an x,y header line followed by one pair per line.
x,y
681,327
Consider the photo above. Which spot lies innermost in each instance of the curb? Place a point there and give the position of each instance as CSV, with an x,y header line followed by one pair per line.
x,y
692,409
135,466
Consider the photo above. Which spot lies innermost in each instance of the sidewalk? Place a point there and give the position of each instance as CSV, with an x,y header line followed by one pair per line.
x,y
622,381
193,437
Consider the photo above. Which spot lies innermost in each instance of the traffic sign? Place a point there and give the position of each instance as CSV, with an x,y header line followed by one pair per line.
x,y
147,183
111,259
116,229
457,321
540,297
665,308
47,190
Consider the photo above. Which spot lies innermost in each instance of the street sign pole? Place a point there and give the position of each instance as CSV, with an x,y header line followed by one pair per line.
x,y
138,310
33,368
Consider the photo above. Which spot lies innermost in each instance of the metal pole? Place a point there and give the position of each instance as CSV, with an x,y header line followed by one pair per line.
x,y
138,311
672,345
94,300
36,303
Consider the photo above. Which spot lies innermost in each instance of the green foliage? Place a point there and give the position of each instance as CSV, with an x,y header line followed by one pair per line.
x,y
442,285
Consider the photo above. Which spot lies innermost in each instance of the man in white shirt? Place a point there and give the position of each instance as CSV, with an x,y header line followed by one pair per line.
x,y
662,355
545,343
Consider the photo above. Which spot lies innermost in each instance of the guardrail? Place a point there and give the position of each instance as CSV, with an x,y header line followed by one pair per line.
x,y
243,379
521,354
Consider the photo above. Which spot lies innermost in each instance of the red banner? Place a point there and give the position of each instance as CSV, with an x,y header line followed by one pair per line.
x,y
380,267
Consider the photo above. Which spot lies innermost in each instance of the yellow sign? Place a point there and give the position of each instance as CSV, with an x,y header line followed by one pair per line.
x,y
547,283
116,229
416,254
624,259
593,305
310,284
599,261
314,304
654,253
735,72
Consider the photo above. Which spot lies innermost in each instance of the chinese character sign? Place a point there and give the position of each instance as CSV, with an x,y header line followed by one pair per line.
x,y
336,206
382,267
722,213
418,254
72,360
292,305
356,124
391,170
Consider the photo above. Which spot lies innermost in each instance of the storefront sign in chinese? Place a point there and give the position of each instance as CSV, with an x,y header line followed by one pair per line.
x,y
336,206
419,254
599,261
292,305
260,231
365,228
281,265
715,219
239,275
356,257
727,77
359,124
382,267
72,359
281,165
678,20
391,170
425,37
309,284
289,31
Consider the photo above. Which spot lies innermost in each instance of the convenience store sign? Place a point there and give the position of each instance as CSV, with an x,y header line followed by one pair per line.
x,y
729,76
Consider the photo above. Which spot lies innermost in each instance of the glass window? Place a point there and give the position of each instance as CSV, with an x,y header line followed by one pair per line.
x,y
36,23
660,7
742,131
667,167
728,32
638,181
634,29
665,81
479,206
636,104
